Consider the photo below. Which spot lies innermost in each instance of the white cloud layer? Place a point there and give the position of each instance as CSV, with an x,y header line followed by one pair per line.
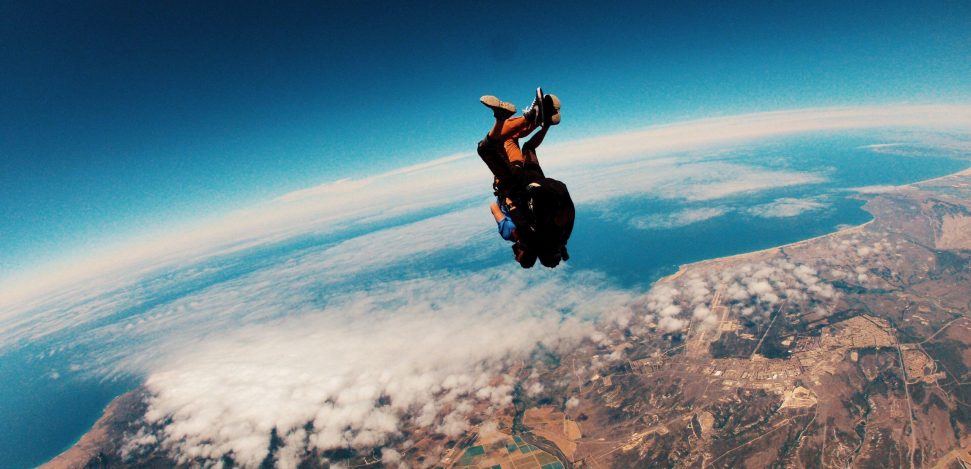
x,y
420,353
263,294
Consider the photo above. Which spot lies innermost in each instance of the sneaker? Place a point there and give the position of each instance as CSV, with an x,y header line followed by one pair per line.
x,y
500,109
534,113
552,106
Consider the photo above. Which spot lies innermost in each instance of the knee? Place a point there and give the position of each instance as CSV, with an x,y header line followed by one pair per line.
x,y
487,147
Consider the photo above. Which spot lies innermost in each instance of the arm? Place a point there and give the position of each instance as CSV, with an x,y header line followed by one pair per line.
x,y
507,229
496,212
536,140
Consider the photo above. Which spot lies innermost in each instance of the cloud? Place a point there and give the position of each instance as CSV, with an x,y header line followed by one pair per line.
x,y
924,143
424,353
749,289
292,342
730,181
787,207
680,179
877,189
713,132
671,324
460,233
676,219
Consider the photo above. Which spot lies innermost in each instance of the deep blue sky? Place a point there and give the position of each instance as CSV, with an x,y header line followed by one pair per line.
x,y
121,118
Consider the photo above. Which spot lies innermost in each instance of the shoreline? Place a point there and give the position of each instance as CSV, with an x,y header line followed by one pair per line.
x,y
92,441
734,257
683,268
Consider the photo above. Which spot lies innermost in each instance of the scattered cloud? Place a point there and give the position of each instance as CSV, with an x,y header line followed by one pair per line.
x,y
676,179
754,290
788,207
877,189
924,143
750,290
676,219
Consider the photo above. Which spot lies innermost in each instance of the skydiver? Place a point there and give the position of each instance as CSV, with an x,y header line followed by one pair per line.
x,y
532,211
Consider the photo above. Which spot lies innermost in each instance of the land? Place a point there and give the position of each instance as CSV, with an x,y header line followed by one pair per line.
x,y
879,379
98,448
865,364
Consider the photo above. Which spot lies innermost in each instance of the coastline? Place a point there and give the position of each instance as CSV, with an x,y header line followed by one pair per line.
x,y
93,441
963,172
736,257
683,268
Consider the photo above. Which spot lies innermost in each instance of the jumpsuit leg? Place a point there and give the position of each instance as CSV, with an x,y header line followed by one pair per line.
x,y
500,147
513,151
510,128
492,155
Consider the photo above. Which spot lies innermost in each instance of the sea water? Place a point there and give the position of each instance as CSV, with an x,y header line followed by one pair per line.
x,y
636,257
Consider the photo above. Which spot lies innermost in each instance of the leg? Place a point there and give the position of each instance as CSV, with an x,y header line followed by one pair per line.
x,y
529,156
492,155
498,150
513,152
501,110
496,131
505,130
506,126
509,128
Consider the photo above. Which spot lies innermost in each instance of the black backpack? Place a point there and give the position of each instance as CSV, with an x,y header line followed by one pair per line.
x,y
548,219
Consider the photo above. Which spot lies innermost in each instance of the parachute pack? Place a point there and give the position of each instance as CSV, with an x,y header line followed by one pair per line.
x,y
543,215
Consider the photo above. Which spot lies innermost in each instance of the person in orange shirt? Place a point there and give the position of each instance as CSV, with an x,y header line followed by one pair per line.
x,y
543,229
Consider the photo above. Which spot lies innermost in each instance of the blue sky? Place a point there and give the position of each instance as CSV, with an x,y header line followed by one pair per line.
x,y
122,118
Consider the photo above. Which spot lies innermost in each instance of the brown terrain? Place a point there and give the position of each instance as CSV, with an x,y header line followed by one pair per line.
x,y
876,374
95,447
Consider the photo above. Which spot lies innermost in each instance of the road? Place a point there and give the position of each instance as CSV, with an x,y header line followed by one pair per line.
x,y
910,411
778,311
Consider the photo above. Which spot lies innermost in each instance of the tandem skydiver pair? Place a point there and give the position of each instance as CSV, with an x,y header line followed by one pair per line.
x,y
532,211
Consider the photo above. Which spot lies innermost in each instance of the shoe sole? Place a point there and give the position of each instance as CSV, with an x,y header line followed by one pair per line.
x,y
554,104
494,103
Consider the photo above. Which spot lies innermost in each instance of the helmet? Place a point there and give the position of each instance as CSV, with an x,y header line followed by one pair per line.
x,y
526,257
